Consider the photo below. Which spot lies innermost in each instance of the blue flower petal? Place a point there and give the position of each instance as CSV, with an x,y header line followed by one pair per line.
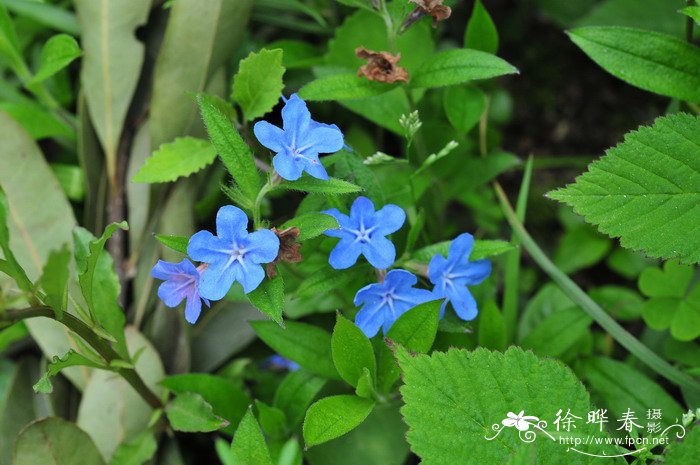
x,y
389,219
205,247
296,117
251,277
287,167
343,221
172,292
345,254
380,252
218,278
315,168
269,135
193,308
323,139
400,279
464,304
231,224
166,270
461,248
263,246
473,273
369,294
362,212
369,319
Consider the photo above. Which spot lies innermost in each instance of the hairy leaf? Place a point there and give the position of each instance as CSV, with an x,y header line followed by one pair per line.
x,y
332,186
268,297
248,444
311,225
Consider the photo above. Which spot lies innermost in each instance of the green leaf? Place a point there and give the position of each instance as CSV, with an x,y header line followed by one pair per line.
x,y
272,420
464,106
295,393
651,61
55,441
112,62
342,87
457,66
9,46
258,85
72,358
248,444
645,190
10,265
37,121
331,186
233,151
303,343
311,225
200,39
492,331
482,249
481,33
681,453
462,393
71,179
416,329
176,243
558,332
136,451
351,350
182,157
297,53
190,413
54,280
657,15
581,247
319,283
58,52
334,416
350,166
692,12
268,297
226,398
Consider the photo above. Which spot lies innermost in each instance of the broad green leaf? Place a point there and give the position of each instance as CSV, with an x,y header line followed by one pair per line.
x,y
232,150
319,283
687,451
464,106
558,332
579,248
651,61
136,451
176,243
311,225
58,52
200,38
692,12
351,166
351,350
621,302
467,174
226,398
54,280
182,157
72,358
269,298
384,110
482,249
492,331
295,393
272,420
461,394
190,413
110,410
655,15
416,329
37,121
303,343
71,179
481,33
297,53
111,65
548,300
331,186
55,441
646,190
248,445
334,416
258,85
628,263
17,401
452,67
342,87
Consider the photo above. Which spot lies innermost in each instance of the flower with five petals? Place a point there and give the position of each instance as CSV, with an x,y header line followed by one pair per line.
x,y
181,281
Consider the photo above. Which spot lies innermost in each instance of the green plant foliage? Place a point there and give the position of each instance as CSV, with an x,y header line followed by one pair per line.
x,y
258,84
692,12
71,359
684,452
648,204
416,329
481,33
176,243
53,440
58,52
334,416
269,298
464,106
182,157
295,393
311,225
190,413
651,61
457,66
136,451
352,352
342,87
558,332
332,186
248,444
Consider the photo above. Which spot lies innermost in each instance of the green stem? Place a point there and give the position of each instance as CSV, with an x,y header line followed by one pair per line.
x,y
257,217
689,23
100,345
575,293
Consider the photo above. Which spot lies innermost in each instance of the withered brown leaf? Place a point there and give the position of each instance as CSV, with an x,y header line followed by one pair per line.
x,y
433,8
289,249
381,66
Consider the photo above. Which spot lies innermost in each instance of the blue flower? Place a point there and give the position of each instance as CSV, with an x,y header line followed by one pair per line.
x,y
181,282
278,362
233,254
297,145
383,303
362,232
453,274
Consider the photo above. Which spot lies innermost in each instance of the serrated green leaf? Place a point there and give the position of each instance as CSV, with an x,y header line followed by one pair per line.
x,y
462,393
457,66
135,451
481,33
72,358
331,186
233,151
54,280
649,60
55,441
416,329
352,352
303,343
294,394
334,416
182,157
342,87
190,413
464,106
58,52
248,444
268,297
311,225
176,243
258,85
646,190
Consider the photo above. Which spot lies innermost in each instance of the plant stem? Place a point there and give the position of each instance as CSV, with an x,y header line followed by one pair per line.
x,y
689,23
257,217
97,343
575,293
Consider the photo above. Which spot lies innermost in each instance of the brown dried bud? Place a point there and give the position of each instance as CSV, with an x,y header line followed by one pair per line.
x,y
289,249
381,66
434,8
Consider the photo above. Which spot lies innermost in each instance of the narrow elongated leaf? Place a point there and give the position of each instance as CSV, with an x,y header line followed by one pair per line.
x,y
190,413
334,416
331,186
646,191
111,65
58,52
257,86
176,243
269,298
342,87
692,12
182,157
558,332
248,444
352,352
481,33
311,225
461,65
9,46
54,441
48,14
651,61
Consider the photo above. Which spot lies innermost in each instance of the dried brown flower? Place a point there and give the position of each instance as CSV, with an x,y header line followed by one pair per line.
x,y
433,8
381,66
289,249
